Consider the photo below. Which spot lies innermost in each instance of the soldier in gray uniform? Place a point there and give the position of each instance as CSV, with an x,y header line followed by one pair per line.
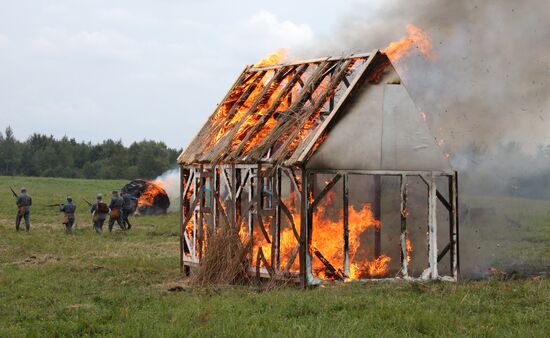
x,y
130,205
116,206
99,210
69,210
24,202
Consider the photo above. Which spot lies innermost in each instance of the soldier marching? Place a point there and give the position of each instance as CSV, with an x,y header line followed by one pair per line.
x,y
118,210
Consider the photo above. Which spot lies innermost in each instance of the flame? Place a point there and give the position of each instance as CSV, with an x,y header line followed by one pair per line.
x,y
327,236
409,249
274,58
147,197
416,38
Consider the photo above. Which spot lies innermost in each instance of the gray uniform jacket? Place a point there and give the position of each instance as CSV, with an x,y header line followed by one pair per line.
x,y
68,208
116,203
24,201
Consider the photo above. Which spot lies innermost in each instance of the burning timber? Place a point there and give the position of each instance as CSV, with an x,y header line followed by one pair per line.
x,y
327,168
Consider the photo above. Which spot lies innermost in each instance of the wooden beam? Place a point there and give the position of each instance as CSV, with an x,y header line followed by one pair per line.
x,y
288,120
300,157
225,143
432,228
325,190
345,207
269,112
444,251
403,236
327,264
318,60
306,115
440,196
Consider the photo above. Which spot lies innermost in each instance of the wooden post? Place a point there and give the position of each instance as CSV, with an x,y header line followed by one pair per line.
x,y
251,197
432,227
200,224
196,183
377,213
453,231
346,224
184,176
215,193
304,210
276,231
404,214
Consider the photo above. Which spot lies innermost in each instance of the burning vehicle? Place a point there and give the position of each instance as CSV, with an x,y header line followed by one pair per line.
x,y
152,199
330,171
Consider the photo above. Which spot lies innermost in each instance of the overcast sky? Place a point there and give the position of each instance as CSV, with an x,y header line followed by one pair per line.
x,y
131,70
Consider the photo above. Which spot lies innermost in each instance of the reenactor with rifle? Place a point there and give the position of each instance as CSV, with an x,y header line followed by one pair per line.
x,y
116,206
99,212
69,210
130,205
24,202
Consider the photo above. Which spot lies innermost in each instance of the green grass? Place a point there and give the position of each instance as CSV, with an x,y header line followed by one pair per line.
x,y
52,284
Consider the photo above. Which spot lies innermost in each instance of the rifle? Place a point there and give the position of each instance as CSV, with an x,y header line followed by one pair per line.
x,y
54,205
89,204
13,192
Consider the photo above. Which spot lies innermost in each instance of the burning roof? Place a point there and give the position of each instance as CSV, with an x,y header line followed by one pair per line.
x,y
282,113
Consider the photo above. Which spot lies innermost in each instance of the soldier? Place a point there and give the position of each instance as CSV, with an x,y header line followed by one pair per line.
x,y
68,209
130,204
99,212
116,206
24,202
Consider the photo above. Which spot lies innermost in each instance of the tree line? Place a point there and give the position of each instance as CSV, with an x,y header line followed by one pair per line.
x,y
42,155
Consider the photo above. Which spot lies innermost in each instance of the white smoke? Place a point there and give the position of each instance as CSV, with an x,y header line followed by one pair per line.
x,y
170,181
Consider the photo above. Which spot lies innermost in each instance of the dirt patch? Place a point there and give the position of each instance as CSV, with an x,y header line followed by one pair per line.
x,y
40,259
175,285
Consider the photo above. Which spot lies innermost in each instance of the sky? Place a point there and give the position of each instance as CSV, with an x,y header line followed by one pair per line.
x,y
134,70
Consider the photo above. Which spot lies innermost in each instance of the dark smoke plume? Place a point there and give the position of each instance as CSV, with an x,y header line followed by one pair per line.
x,y
487,97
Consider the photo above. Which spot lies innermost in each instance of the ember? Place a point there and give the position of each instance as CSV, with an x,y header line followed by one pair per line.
x,y
152,198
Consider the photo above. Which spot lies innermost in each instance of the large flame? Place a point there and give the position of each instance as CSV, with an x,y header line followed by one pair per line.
x,y
416,38
327,238
154,188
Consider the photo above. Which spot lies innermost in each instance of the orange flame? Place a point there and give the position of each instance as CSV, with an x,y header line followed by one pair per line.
x,y
272,59
147,198
327,236
416,38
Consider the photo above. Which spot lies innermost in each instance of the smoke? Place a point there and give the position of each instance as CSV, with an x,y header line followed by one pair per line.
x,y
170,181
487,97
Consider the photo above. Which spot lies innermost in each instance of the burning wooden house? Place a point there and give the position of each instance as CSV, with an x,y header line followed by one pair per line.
x,y
329,169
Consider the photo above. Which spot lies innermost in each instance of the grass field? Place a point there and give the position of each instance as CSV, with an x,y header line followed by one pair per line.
x,y
52,284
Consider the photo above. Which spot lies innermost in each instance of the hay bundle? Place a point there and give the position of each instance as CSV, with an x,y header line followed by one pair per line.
x,y
225,260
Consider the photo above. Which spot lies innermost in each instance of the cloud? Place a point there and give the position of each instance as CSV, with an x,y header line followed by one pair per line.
x,y
264,31
4,41
85,44
124,16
